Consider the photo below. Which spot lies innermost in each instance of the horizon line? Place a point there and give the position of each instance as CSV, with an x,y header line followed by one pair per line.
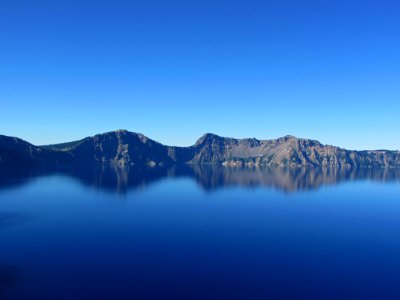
x,y
205,134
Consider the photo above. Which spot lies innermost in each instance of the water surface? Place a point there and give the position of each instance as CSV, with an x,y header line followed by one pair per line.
x,y
200,233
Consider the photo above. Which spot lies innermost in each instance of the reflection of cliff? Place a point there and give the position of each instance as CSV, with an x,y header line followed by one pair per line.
x,y
287,179
111,179
121,180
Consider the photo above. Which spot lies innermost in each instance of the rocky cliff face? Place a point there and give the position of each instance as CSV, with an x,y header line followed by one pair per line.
x,y
119,147
126,148
287,151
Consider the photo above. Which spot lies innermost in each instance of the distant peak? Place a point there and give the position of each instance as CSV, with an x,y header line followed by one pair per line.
x,y
206,137
287,138
118,131
209,135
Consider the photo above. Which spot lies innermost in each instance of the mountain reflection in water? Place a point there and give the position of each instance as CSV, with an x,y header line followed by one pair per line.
x,y
121,180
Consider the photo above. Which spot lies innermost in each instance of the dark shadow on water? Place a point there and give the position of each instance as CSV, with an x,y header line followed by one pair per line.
x,y
15,177
121,180
9,275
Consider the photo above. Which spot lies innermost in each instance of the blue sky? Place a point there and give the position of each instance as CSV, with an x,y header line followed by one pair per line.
x,y
173,70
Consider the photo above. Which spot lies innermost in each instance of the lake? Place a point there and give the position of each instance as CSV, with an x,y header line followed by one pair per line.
x,y
198,232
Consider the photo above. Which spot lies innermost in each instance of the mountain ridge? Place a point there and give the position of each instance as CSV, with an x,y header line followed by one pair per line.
x,y
126,148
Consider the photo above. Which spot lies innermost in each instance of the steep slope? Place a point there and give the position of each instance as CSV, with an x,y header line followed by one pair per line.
x,y
17,152
121,148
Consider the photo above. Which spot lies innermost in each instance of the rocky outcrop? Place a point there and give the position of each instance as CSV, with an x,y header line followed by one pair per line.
x,y
286,151
124,148
119,147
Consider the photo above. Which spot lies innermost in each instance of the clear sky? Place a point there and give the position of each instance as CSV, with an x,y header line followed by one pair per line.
x,y
173,70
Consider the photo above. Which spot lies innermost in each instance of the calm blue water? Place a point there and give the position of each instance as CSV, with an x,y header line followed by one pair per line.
x,y
200,233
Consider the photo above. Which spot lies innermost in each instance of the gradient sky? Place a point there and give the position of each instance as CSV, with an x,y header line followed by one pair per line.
x,y
173,70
